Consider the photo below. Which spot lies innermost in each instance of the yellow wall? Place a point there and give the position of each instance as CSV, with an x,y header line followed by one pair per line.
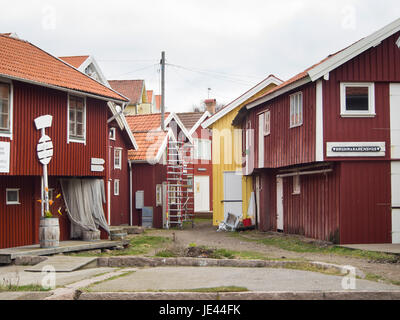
x,y
227,155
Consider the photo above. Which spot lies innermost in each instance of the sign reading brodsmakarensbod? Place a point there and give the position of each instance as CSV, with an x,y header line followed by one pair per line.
x,y
4,157
356,149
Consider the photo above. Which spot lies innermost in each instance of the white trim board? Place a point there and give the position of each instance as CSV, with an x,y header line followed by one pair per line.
x,y
323,69
174,116
242,99
198,123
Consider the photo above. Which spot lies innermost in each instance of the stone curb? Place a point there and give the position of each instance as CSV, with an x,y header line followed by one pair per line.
x,y
29,260
129,261
274,295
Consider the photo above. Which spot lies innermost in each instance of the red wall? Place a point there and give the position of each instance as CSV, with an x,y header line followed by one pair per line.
x,y
73,159
146,177
201,133
287,146
365,202
120,214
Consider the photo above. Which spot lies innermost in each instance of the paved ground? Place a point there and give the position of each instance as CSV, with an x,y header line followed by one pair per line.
x,y
254,279
205,234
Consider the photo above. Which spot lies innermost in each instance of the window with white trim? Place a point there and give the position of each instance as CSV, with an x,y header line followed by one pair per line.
x,y
296,184
5,107
117,158
159,195
112,133
12,196
267,123
76,119
296,109
116,187
357,99
202,149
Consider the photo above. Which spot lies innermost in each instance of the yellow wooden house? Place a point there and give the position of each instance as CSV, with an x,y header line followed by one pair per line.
x,y
232,190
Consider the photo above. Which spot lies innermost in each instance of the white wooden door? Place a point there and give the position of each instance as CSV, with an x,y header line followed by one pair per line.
x,y
233,202
395,120
395,154
258,196
201,193
395,175
261,140
279,203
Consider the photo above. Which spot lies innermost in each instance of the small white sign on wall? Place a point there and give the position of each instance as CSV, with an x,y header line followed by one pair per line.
x,y
97,165
355,149
4,157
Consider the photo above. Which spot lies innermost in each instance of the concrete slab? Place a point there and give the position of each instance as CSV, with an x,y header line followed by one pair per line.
x,y
9,254
65,264
254,279
16,275
384,247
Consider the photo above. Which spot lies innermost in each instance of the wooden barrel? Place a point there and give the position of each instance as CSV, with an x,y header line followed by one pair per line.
x,y
91,235
49,233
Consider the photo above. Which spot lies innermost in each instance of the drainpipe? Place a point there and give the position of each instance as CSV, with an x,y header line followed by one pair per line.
x,y
130,195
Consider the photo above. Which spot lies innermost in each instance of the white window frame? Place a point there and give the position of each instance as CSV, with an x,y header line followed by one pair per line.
x,y
296,185
118,151
12,202
73,139
8,134
267,123
296,109
116,187
112,133
204,143
355,113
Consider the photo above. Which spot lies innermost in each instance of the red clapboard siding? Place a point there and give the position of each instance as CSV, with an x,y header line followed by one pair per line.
x,y
17,222
314,212
365,202
146,177
287,146
119,204
71,159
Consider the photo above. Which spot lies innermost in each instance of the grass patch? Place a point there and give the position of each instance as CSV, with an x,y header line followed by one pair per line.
x,y
297,244
138,245
27,288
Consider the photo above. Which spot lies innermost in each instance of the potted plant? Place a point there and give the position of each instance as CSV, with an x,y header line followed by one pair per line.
x,y
49,228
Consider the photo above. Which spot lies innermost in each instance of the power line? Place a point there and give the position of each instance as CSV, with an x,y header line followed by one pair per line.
x,y
141,69
215,75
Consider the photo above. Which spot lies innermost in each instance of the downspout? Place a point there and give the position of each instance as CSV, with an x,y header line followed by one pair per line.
x,y
130,195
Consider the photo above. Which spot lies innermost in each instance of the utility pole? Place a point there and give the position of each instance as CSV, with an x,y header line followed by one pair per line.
x,y
163,91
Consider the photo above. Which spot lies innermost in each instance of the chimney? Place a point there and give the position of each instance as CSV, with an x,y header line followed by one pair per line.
x,y
211,105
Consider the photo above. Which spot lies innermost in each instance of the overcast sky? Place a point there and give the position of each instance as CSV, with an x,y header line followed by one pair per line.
x,y
226,45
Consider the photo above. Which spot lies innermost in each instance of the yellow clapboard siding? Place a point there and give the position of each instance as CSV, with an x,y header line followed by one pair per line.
x,y
227,155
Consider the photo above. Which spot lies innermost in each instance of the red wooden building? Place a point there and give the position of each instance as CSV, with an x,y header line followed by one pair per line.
x,y
326,146
202,160
120,140
149,163
34,83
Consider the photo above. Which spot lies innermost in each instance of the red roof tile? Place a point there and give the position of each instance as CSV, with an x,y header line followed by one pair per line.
x,y
133,89
145,122
148,136
149,96
158,103
149,144
189,119
23,61
75,61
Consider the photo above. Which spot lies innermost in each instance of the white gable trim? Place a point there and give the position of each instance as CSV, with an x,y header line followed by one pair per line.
x,y
243,98
91,60
398,42
198,123
173,115
277,93
356,49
